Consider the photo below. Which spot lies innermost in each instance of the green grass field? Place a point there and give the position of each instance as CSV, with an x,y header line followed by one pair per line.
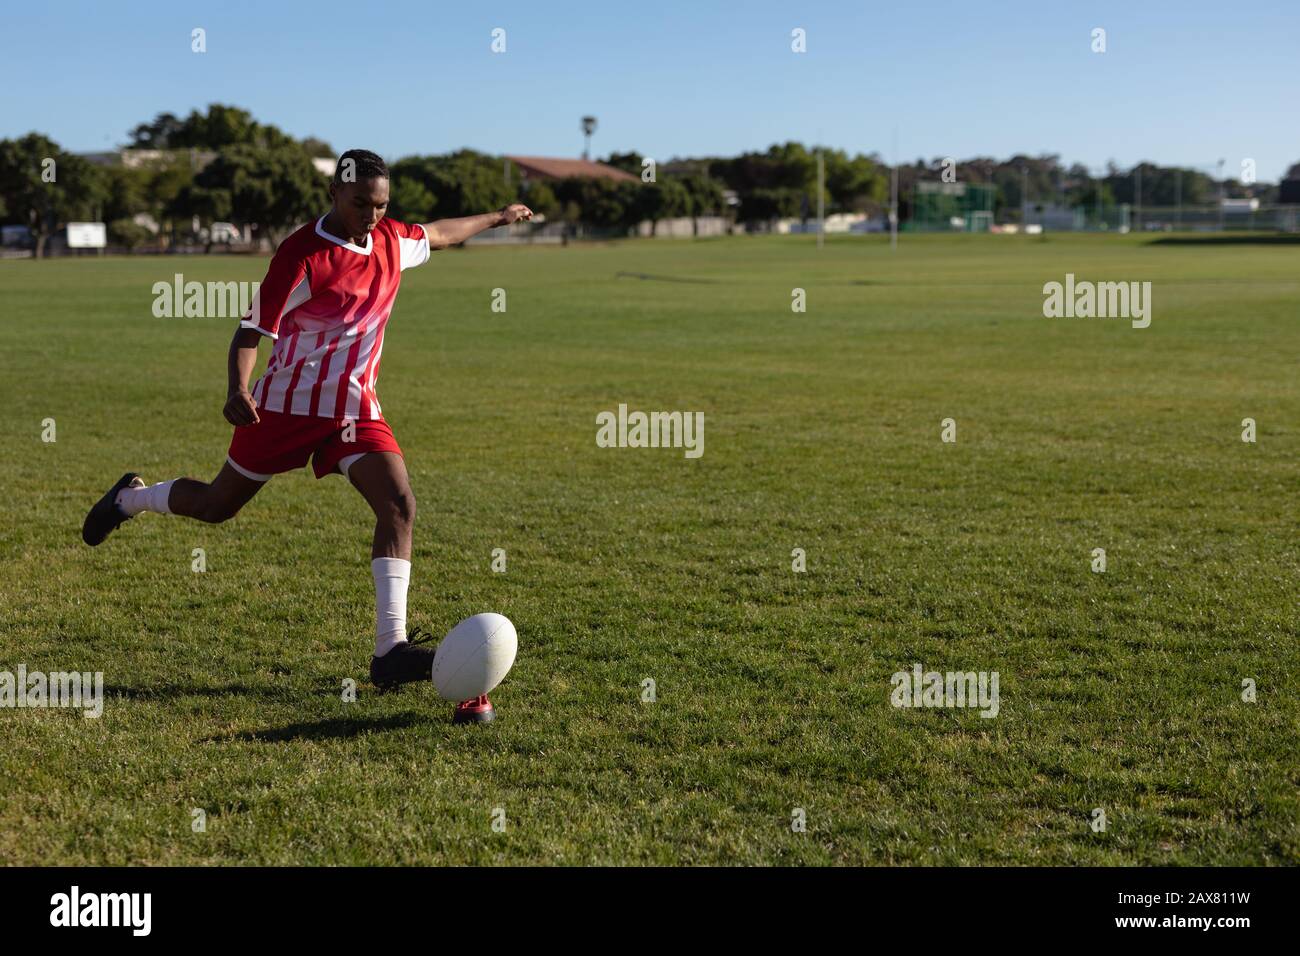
x,y
1120,691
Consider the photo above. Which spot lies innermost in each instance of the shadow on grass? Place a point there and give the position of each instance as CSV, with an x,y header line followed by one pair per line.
x,y
326,685
1218,239
333,728
650,278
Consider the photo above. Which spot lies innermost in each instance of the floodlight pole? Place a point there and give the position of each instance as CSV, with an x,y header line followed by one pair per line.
x,y
893,198
1178,196
1137,200
821,198
1220,176
1024,197
1097,181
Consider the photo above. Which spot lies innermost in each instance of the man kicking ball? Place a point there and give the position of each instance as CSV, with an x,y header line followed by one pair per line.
x,y
325,303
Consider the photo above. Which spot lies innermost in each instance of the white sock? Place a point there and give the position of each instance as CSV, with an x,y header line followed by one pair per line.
x,y
153,498
392,577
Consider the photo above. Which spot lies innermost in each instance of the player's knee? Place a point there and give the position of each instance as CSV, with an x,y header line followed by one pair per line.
x,y
401,508
215,512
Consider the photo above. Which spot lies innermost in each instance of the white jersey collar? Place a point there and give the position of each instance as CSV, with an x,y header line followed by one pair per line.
x,y
364,250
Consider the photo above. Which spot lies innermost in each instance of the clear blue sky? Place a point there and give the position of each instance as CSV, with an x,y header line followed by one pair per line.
x,y
1181,82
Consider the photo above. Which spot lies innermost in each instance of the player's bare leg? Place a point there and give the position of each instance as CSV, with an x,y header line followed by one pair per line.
x,y
382,480
213,502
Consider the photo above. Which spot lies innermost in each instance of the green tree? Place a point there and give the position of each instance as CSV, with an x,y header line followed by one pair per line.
x,y
42,186
599,202
666,199
854,184
129,233
765,204
219,127
272,189
126,192
1162,186
705,196
158,134
541,199
167,177
628,162
461,183
409,200
318,148
779,183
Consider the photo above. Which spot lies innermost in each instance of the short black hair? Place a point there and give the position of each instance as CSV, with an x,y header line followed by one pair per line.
x,y
358,165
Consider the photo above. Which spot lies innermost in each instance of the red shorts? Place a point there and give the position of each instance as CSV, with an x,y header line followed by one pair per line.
x,y
279,443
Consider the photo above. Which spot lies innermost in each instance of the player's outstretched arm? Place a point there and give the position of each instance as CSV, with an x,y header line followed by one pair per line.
x,y
450,232
240,408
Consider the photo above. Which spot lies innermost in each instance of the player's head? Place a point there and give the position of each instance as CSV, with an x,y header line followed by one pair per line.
x,y
360,190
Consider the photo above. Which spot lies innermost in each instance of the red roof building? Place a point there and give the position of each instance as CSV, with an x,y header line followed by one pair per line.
x,y
545,167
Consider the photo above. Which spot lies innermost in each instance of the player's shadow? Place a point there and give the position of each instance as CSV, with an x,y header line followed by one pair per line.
x,y
332,728
328,686
175,691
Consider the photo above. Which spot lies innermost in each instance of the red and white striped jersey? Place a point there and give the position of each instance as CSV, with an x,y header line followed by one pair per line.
x,y
325,302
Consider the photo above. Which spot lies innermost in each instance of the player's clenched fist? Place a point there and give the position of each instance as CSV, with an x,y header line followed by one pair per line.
x,y
241,409
514,212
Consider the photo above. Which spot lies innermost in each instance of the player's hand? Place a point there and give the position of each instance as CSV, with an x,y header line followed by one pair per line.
x,y
240,409
515,212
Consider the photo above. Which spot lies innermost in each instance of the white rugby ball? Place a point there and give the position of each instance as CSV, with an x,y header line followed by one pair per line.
x,y
475,656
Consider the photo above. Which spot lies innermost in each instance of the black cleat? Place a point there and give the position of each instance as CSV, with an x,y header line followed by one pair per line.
x,y
105,517
405,663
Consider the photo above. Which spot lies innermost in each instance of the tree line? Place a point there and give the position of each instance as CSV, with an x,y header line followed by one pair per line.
x,y
224,165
